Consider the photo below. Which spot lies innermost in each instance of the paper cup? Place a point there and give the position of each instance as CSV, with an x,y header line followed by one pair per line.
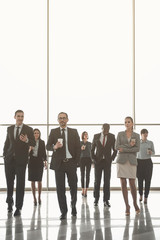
x,y
60,140
133,140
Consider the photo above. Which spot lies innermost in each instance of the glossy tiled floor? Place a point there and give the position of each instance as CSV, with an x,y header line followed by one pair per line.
x,y
91,222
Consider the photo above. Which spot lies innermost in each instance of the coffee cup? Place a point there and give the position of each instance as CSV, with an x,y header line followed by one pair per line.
x,y
60,140
83,147
148,151
133,140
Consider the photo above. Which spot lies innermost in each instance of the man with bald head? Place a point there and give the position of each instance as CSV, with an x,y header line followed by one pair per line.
x,y
103,153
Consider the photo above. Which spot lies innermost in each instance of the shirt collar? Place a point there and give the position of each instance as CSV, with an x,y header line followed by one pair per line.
x,y
20,126
144,141
63,128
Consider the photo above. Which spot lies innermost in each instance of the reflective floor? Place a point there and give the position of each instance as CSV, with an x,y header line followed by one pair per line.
x,y
42,222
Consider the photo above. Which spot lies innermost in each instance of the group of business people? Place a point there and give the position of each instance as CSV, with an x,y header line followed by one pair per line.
x,y
68,153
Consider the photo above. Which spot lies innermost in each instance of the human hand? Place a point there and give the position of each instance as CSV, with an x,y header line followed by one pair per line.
x,y
23,138
83,147
120,149
30,148
57,145
133,142
45,164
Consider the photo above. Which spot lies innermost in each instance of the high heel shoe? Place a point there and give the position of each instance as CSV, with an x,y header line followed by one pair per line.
x,y
40,202
137,211
35,203
127,213
140,199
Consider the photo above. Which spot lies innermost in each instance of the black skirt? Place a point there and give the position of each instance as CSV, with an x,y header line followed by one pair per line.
x,y
35,169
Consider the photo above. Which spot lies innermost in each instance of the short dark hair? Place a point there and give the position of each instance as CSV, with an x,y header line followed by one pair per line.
x,y
83,133
144,131
18,111
63,113
36,129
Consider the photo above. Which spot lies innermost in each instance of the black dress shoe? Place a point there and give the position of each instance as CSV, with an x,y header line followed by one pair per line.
x,y
107,204
95,204
17,212
63,216
74,211
10,209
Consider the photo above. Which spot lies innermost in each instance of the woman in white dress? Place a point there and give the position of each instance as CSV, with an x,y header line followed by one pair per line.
x,y
128,144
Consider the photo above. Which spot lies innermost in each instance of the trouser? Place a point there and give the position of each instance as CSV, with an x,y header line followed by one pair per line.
x,y
68,169
144,174
11,171
85,171
104,166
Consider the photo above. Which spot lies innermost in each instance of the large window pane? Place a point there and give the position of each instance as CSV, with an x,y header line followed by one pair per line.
x,y
23,59
91,60
147,61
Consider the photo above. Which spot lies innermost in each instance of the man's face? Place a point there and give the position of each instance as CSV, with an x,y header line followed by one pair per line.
x,y
62,119
19,118
105,130
144,135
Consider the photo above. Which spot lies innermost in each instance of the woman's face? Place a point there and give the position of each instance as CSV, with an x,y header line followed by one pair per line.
x,y
36,134
86,136
128,123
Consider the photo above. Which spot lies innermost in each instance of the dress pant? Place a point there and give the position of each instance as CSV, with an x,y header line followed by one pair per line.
x,y
104,166
69,169
144,174
13,170
85,167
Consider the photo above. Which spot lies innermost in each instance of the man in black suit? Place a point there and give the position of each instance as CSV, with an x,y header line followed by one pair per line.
x,y
103,153
15,152
64,161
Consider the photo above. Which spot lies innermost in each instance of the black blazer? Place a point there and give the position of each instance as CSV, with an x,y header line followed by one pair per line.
x,y
38,162
73,146
17,148
108,151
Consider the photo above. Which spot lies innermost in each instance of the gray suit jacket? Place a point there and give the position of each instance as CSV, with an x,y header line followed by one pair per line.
x,y
129,152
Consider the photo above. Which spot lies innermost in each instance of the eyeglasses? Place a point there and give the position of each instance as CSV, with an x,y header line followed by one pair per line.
x,y
62,118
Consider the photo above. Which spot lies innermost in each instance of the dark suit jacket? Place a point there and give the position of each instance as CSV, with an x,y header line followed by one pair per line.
x,y
108,151
17,148
73,146
38,162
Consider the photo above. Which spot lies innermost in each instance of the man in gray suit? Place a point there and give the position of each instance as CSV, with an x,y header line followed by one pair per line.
x,y
103,153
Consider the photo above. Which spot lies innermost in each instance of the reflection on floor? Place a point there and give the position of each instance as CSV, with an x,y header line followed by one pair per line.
x,y
42,222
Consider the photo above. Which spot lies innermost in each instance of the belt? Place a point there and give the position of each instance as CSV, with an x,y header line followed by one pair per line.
x,y
66,160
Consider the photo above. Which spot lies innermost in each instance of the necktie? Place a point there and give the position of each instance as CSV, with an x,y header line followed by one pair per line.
x,y
64,143
103,140
17,133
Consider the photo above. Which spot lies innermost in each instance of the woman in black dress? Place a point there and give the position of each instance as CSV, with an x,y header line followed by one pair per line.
x,y
37,161
85,163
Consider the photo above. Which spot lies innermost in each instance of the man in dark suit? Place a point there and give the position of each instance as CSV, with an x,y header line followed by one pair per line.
x,y
103,153
64,161
15,152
